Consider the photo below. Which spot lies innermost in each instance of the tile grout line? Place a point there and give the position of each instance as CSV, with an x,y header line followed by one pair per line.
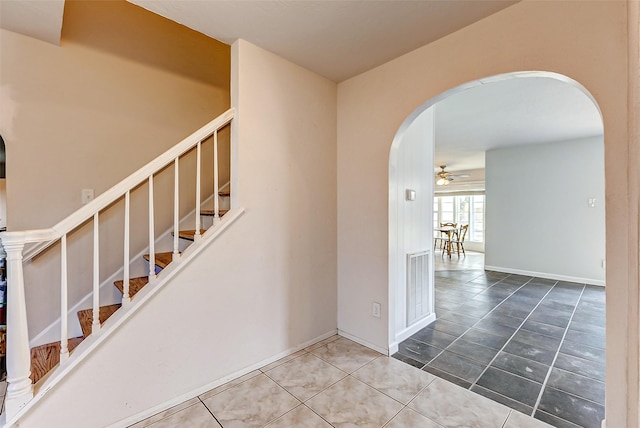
x,y
209,410
486,315
555,357
514,333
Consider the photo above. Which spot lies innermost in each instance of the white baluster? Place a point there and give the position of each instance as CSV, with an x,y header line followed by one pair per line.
x,y
152,248
176,212
126,299
216,189
64,319
19,389
95,325
198,173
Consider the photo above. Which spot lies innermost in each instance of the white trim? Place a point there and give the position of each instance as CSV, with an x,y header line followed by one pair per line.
x,y
110,326
410,331
588,281
211,385
363,342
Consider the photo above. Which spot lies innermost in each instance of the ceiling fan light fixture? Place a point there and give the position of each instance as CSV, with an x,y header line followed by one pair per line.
x,y
443,178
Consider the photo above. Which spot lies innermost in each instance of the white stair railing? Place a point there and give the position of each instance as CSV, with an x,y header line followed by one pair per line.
x,y
20,389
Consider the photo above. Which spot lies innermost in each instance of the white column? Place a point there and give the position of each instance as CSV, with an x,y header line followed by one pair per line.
x,y
176,211
152,244
216,186
126,299
95,325
64,318
198,173
19,389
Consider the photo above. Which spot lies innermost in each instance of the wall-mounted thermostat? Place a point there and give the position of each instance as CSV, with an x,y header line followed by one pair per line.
x,y
411,195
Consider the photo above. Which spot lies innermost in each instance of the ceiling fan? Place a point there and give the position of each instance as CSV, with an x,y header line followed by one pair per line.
x,y
445,177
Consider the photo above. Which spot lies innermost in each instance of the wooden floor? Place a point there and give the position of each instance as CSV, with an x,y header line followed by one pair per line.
x,y
190,234
135,285
162,259
86,317
46,357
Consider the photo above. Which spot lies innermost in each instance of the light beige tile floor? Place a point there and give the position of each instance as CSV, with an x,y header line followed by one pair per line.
x,y
339,383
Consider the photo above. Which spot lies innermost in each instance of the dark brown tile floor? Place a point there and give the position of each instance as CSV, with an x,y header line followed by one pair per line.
x,y
533,344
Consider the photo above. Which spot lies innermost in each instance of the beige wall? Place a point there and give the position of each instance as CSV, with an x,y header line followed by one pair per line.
x,y
586,41
267,285
124,86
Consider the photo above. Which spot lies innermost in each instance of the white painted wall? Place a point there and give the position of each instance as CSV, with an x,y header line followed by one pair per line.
x,y
537,215
410,229
267,285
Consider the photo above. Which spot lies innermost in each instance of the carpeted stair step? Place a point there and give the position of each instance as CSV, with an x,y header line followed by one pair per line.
x,y
46,357
135,285
211,213
162,259
85,317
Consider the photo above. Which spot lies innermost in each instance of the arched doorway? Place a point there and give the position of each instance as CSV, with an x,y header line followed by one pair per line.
x,y
407,217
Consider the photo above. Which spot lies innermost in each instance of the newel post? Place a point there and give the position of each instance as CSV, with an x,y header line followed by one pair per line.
x,y
19,388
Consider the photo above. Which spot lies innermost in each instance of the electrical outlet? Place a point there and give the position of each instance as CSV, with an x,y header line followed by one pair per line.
x,y
87,196
375,309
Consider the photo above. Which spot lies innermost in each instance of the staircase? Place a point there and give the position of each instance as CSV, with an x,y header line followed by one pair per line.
x,y
31,372
46,357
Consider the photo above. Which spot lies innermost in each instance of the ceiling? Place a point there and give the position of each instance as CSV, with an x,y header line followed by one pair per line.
x,y
507,113
336,39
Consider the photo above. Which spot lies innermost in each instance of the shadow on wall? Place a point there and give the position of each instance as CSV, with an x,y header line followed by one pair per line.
x,y
163,44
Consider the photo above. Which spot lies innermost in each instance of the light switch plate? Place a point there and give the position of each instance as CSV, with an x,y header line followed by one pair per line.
x,y
87,196
410,195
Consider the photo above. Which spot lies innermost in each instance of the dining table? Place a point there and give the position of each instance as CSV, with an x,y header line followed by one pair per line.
x,y
450,231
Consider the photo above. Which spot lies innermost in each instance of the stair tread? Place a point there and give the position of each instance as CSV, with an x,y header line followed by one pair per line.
x,y
189,234
46,357
224,193
162,259
85,317
211,212
135,285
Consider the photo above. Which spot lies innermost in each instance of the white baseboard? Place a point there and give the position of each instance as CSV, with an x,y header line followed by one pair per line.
x,y
208,387
363,342
410,331
589,281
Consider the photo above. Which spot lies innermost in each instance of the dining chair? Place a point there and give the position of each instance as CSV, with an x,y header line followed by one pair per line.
x,y
459,240
444,237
